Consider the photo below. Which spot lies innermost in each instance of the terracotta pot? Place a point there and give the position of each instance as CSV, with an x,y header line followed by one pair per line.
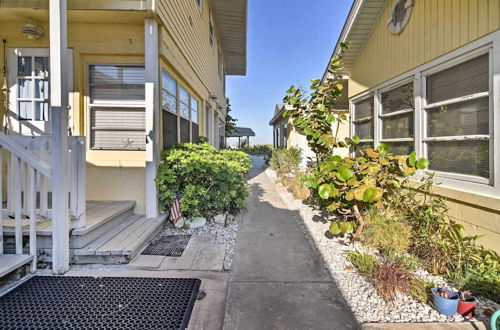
x,y
466,307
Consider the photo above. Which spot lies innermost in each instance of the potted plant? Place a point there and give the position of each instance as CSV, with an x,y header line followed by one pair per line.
x,y
466,304
445,301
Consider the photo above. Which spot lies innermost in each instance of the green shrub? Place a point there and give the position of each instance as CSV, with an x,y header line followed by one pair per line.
x,y
211,182
286,160
364,263
420,289
386,232
258,149
441,243
390,278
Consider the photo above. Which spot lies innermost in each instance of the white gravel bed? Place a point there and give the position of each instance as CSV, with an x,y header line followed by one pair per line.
x,y
222,235
359,293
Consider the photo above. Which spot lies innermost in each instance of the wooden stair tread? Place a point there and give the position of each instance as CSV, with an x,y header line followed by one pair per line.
x,y
90,248
128,241
10,262
99,213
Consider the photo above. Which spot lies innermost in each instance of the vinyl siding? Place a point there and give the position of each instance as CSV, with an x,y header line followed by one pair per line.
x,y
186,47
436,27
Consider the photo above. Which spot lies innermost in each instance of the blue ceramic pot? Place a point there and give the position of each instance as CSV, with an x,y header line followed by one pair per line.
x,y
445,306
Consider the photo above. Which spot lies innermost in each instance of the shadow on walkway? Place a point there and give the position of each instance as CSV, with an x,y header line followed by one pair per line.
x,y
278,281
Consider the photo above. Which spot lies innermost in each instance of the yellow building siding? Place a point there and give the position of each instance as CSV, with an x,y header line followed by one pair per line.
x,y
436,27
186,29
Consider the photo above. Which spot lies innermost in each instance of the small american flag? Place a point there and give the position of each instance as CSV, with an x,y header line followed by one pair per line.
x,y
175,210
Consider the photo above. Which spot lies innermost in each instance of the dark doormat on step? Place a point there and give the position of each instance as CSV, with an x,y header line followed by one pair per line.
x,y
66,302
170,246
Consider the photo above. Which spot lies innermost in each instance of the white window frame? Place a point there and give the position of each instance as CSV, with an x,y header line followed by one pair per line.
x,y
178,105
352,105
475,184
106,104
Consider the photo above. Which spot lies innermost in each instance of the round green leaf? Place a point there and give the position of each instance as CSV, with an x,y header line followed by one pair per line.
x,y
325,190
334,228
412,159
346,173
367,195
422,163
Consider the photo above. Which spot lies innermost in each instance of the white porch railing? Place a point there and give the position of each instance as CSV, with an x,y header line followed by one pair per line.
x,y
28,179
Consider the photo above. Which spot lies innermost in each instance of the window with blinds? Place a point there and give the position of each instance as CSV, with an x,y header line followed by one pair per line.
x,y
117,110
457,118
396,115
363,123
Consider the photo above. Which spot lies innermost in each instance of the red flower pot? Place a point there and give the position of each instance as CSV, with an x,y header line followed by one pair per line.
x,y
466,308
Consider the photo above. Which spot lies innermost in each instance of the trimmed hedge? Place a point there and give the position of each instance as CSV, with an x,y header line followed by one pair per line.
x,y
210,181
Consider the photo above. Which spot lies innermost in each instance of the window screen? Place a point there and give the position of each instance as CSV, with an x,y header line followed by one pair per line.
x,y
117,113
463,79
363,119
464,121
185,131
397,106
116,83
169,129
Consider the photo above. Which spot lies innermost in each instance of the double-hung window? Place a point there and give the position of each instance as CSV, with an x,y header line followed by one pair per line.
x,y
222,139
194,119
363,122
180,115
396,119
117,107
169,105
457,116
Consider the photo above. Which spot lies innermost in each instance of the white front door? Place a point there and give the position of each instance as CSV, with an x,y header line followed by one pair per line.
x,y
29,96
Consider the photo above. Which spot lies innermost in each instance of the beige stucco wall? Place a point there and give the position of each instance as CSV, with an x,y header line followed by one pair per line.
x,y
434,29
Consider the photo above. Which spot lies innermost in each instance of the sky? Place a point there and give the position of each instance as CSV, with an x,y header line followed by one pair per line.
x,y
288,42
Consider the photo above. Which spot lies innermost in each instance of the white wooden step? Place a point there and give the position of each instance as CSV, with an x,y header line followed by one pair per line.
x,y
123,243
10,262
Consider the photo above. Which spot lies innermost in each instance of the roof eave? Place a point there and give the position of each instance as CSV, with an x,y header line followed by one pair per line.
x,y
231,21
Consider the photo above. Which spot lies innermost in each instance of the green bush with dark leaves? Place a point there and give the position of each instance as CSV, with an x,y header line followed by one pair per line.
x,y
210,181
258,149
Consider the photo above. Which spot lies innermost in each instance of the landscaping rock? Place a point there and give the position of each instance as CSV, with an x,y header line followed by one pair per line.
x,y
356,289
223,235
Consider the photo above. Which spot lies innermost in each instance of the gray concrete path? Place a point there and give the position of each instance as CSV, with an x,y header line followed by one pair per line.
x,y
278,281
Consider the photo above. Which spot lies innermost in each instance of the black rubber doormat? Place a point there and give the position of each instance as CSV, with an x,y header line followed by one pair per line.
x,y
64,302
170,246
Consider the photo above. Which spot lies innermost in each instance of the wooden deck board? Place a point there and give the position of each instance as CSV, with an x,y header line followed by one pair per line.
x,y
121,240
10,262
91,248
103,213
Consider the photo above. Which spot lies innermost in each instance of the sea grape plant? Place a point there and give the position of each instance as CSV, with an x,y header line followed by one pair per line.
x,y
346,185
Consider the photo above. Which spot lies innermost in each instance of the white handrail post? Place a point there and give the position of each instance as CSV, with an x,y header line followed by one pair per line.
x,y
32,215
59,119
152,115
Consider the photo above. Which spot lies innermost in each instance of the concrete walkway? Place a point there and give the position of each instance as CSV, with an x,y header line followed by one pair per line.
x,y
278,281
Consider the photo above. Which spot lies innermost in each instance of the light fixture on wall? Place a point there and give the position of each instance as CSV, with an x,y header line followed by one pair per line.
x,y
31,30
